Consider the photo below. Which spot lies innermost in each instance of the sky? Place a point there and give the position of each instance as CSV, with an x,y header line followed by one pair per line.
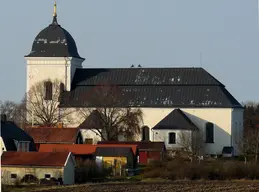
x,y
218,35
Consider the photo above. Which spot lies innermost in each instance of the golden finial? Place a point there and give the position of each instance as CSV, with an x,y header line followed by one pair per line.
x,y
55,9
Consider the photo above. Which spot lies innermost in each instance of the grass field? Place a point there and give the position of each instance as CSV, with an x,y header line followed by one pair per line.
x,y
176,186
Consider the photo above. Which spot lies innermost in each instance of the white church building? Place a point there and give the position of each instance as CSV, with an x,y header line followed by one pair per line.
x,y
173,100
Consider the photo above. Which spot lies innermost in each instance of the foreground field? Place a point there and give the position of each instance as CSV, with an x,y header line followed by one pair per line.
x,y
179,186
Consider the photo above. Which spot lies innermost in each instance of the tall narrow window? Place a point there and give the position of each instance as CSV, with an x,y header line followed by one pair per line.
x,y
209,132
145,133
172,138
48,90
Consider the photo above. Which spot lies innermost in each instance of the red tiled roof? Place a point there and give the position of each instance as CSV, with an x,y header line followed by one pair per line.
x,y
142,145
81,149
53,135
34,158
76,149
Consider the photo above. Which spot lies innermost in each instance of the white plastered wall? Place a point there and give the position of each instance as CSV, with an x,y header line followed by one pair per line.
x,y
43,68
221,118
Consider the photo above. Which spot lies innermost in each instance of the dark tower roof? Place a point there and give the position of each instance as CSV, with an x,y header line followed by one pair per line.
x,y
54,41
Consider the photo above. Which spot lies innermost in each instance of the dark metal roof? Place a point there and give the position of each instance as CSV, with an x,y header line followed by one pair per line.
x,y
10,132
114,151
54,41
210,94
144,76
176,120
93,121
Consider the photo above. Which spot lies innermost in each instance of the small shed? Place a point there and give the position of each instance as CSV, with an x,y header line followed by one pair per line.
x,y
147,150
115,156
42,165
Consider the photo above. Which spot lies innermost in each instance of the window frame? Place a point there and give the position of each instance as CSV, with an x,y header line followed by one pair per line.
x,y
13,175
169,138
48,90
209,133
145,133
46,175
23,146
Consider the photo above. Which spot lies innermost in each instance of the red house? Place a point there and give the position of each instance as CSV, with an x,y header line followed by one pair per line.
x,y
147,150
47,135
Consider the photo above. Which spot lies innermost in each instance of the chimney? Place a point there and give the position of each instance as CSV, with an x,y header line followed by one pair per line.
x,y
3,118
60,125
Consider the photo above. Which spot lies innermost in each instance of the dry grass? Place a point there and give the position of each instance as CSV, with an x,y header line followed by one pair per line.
x,y
175,186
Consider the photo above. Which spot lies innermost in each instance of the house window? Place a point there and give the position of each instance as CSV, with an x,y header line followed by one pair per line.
x,y
89,141
47,176
48,90
209,132
13,176
145,133
23,146
172,138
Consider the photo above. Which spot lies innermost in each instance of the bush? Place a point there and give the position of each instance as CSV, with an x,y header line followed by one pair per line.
x,y
209,170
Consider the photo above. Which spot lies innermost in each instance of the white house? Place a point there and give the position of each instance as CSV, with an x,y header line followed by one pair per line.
x,y
42,165
194,93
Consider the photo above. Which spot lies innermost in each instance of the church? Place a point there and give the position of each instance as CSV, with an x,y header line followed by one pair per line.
x,y
173,100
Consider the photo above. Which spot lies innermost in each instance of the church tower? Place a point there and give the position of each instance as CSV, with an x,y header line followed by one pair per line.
x,y
53,55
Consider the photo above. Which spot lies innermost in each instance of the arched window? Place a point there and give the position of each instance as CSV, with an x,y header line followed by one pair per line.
x,y
145,133
48,90
209,132
172,138
62,87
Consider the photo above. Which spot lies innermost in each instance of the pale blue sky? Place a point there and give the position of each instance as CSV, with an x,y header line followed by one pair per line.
x,y
153,33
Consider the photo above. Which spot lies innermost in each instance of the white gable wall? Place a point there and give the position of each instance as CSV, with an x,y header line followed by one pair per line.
x,y
2,145
163,135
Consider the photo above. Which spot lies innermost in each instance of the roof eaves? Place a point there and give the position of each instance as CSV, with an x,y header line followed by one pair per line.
x,y
45,166
49,142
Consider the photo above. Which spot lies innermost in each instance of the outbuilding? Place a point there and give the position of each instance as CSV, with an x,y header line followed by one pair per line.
x,y
15,166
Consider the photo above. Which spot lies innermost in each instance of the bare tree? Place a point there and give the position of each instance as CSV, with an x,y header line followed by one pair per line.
x,y
244,144
9,108
192,141
13,112
41,104
109,118
248,144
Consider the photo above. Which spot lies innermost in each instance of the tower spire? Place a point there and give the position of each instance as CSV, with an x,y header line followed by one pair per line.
x,y
55,14
55,9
